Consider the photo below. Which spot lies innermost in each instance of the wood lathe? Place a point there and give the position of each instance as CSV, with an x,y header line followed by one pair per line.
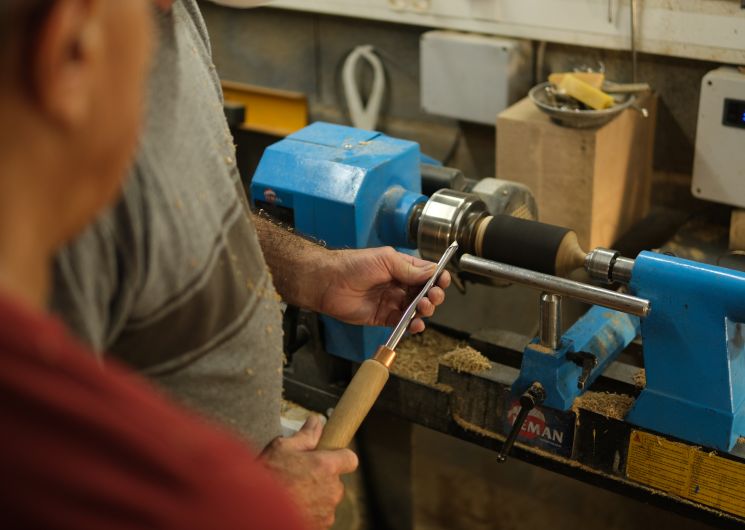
x,y
360,188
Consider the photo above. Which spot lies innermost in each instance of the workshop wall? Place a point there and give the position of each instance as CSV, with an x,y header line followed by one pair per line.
x,y
304,52
297,51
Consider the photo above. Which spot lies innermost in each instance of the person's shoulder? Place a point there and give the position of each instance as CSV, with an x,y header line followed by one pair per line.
x,y
196,20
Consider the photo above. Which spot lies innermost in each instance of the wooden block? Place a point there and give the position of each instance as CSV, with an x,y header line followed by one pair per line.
x,y
595,181
737,230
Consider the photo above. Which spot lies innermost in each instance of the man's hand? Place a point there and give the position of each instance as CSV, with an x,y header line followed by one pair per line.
x,y
312,476
373,287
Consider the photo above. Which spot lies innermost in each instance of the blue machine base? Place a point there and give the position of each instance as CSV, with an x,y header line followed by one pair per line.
x,y
694,350
668,415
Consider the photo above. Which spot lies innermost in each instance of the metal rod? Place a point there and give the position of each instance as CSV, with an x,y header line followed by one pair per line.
x,y
403,324
550,321
555,285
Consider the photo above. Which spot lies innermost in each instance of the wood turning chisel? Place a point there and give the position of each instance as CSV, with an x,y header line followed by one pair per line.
x,y
368,382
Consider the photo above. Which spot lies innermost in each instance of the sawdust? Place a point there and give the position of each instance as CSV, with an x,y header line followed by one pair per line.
x,y
604,403
541,348
419,355
469,426
466,359
640,378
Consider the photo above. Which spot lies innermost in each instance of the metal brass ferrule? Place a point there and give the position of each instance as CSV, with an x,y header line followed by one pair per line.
x,y
385,356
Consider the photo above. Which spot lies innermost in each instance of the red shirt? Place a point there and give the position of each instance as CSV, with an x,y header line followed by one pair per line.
x,y
83,448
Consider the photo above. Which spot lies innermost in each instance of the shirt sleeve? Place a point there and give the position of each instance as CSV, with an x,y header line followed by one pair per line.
x,y
96,276
86,448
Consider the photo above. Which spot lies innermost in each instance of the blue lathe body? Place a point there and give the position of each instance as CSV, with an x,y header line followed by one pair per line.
x,y
694,350
693,341
346,188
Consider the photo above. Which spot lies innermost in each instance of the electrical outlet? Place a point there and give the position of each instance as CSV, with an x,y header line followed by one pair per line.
x,y
472,77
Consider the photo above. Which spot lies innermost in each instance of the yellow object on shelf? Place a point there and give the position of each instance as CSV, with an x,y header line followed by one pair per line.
x,y
270,111
586,93
595,79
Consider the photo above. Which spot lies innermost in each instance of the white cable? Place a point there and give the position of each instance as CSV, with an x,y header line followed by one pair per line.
x,y
363,117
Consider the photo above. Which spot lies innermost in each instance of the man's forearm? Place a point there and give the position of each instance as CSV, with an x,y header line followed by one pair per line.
x,y
299,267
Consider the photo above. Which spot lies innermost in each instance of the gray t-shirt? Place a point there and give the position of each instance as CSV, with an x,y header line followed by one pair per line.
x,y
171,280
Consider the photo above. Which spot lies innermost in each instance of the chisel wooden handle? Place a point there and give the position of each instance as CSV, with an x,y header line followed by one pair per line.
x,y
356,402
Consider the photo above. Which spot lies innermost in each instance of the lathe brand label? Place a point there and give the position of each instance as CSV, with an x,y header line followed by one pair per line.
x,y
270,196
545,428
687,472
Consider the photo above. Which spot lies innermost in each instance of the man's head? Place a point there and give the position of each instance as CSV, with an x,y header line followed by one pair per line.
x,y
72,76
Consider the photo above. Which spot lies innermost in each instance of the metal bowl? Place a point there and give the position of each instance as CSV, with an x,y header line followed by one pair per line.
x,y
575,117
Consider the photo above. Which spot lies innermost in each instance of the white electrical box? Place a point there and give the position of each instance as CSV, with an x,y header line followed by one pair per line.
x,y
472,77
719,163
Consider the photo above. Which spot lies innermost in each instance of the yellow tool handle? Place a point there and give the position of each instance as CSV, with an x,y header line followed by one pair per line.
x,y
355,403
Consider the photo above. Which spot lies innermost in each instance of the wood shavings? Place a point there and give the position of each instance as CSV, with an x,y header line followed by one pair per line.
x,y
640,378
466,359
604,403
469,426
419,355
